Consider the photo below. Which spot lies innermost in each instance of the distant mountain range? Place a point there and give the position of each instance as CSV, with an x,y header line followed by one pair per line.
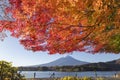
x,y
114,61
102,66
68,63
64,61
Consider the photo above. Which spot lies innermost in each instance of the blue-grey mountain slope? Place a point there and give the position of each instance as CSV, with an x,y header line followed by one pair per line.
x,y
64,61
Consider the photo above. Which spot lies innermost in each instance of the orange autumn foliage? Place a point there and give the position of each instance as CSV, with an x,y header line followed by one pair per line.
x,y
64,26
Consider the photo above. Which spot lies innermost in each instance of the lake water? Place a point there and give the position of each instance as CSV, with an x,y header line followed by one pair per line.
x,y
47,74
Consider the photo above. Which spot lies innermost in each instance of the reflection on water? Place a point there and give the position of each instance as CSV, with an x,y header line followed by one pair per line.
x,y
47,74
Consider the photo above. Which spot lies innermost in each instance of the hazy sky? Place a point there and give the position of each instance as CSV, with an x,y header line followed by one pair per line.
x,y
11,50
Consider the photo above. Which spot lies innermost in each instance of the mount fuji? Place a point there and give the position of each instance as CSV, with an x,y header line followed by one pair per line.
x,y
64,61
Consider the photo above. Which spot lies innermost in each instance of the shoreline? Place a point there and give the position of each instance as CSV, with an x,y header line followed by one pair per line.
x,y
114,77
93,78
42,78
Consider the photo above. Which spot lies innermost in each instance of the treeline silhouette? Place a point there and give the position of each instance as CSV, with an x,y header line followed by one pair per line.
x,y
87,67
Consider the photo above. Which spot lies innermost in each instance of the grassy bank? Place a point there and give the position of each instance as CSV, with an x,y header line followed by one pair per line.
x,y
75,78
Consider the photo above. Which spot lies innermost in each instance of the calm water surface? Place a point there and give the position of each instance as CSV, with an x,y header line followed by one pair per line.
x,y
47,74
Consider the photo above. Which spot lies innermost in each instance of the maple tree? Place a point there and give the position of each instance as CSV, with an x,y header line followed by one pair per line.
x,y
63,26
